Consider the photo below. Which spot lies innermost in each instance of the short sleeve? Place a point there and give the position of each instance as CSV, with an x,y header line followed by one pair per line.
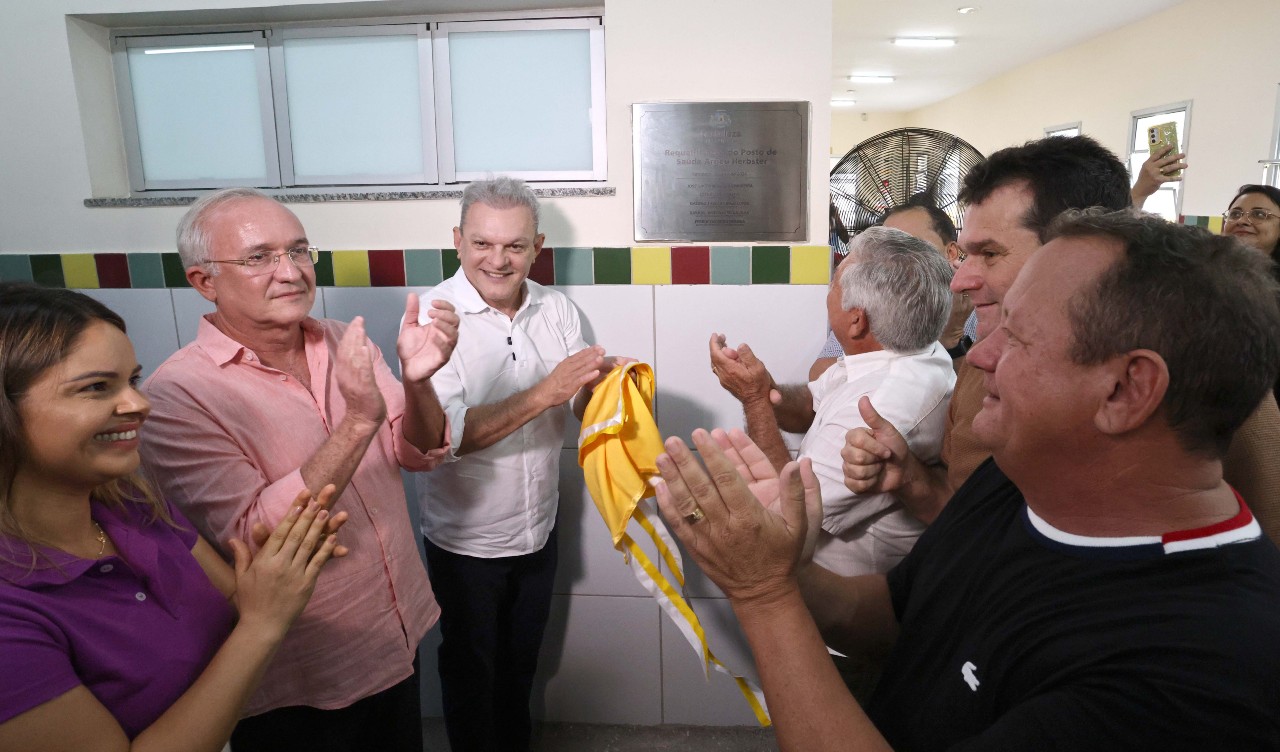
x,y
37,661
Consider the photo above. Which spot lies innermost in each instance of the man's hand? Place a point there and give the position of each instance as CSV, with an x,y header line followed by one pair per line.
x,y
571,374
353,369
424,348
765,483
750,551
875,456
740,372
610,362
1156,172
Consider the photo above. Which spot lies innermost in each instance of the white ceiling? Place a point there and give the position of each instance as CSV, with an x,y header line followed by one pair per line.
x,y
1000,36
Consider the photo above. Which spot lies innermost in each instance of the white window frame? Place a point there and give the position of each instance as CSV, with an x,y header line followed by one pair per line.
x,y
1271,166
138,183
444,105
1054,130
280,91
1184,146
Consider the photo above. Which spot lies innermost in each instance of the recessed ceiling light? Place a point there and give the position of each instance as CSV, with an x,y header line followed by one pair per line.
x,y
864,79
843,102
924,42
966,10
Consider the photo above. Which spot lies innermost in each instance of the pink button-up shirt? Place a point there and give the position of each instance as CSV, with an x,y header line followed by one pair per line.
x,y
226,441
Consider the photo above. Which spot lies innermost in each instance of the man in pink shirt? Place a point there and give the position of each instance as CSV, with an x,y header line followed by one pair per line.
x,y
268,400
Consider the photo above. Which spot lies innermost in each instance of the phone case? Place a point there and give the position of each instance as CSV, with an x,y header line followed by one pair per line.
x,y
1164,134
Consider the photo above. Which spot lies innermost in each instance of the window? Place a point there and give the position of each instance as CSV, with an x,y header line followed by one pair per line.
x,y
1065,130
386,104
1271,165
1167,201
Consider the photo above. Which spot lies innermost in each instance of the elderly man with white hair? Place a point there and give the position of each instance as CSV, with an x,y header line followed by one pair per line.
x,y
886,306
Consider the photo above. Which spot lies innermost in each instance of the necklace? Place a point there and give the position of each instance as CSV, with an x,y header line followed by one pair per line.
x,y
102,538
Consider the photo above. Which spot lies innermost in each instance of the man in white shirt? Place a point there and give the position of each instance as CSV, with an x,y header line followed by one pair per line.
x,y
887,305
489,513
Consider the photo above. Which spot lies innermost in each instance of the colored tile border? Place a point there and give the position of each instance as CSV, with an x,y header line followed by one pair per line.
x,y
427,267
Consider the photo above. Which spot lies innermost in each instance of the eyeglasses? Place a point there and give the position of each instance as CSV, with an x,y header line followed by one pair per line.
x,y
1257,215
262,262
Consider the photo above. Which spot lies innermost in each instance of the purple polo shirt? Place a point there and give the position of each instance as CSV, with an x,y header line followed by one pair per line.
x,y
136,628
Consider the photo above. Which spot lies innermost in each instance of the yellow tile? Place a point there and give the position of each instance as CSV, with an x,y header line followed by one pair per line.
x,y
651,266
351,268
79,271
1215,225
810,264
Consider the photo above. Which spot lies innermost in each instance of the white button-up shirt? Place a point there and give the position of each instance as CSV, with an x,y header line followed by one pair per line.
x,y
500,500
864,533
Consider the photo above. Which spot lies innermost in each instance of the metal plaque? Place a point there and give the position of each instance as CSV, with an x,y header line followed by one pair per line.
x,y
721,171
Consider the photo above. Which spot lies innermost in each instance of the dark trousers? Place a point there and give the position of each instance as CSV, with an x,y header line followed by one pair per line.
x,y
389,721
493,614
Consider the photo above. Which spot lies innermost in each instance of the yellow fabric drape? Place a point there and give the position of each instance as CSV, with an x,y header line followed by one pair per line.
x,y
618,450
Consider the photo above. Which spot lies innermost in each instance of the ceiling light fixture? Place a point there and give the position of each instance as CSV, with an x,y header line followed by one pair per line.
x,y
867,79
175,50
843,102
924,42
966,10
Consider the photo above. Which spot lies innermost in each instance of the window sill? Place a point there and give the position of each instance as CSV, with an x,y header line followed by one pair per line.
x,y
319,198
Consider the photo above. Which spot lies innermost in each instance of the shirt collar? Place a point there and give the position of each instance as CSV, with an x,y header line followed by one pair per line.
x,y
857,365
223,350
52,566
468,300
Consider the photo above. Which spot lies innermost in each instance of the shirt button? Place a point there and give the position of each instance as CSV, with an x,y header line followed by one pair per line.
x,y
249,356
283,377
106,568
140,596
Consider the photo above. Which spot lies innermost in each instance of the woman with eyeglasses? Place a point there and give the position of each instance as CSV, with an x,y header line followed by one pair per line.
x,y
120,628
1254,218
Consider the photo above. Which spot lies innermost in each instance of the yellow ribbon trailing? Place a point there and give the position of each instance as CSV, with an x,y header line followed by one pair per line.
x,y
618,451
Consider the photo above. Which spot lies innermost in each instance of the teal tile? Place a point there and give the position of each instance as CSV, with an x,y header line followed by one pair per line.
x,y
770,265
422,268
145,270
731,265
573,266
46,269
324,269
449,262
613,266
175,274
15,267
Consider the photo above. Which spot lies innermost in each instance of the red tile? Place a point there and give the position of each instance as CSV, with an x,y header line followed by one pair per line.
x,y
113,269
691,265
386,268
544,267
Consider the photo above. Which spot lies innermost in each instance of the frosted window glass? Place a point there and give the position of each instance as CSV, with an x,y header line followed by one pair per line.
x,y
521,100
354,106
199,115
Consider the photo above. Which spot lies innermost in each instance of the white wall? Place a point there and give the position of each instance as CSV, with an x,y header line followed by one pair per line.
x,y
655,50
849,127
1219,53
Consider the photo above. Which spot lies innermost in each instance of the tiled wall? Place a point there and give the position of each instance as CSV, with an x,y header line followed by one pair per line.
x,y
647,265
610,655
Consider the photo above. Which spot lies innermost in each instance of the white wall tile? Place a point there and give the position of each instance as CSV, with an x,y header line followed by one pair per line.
x,y
600,662
382,308
784,324
688,697
188,307
148,315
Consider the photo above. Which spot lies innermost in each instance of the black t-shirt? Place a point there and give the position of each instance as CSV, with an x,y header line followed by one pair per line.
x,y
1015,636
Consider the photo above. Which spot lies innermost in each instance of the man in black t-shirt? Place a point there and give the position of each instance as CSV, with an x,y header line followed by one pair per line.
x,y
1095,586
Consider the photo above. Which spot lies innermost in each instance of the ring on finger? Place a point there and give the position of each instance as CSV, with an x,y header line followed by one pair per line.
x,y
695,516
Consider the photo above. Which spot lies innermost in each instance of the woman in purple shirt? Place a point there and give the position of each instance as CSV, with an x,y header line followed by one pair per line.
x,y
118,623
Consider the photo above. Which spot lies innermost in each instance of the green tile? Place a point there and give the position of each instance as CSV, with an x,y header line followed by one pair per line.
x,y
146,270
175,274
324,269
770,265
15,267
449,261
730,265
422,267
573,266
46,269
613,266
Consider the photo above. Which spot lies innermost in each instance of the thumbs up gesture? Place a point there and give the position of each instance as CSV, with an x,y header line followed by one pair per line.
x,y
875,457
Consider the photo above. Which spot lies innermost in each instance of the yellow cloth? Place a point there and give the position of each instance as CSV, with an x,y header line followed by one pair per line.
x,y
618,450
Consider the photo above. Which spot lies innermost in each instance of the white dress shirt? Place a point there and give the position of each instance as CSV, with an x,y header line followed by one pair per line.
x,y
500,500
864,533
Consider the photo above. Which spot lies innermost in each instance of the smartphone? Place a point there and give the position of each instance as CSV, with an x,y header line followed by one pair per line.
x,y
1162,135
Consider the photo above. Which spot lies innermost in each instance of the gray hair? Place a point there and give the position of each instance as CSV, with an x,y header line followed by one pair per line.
x,y
500,193
193,241
902,283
